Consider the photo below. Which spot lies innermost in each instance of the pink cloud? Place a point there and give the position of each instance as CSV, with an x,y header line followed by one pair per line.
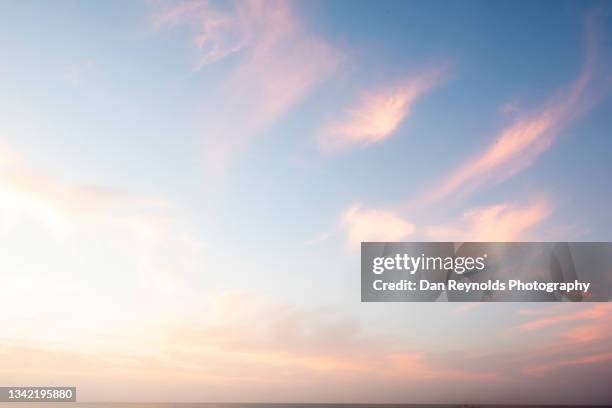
x,y
515,148
574,336
502,222
519,145
589,332
597,311
377,114
251,347
468,307
560,344
253,335
374,225
247,345
279,63
587,360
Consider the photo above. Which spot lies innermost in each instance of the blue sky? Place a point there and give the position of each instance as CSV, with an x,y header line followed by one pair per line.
x,y
175,171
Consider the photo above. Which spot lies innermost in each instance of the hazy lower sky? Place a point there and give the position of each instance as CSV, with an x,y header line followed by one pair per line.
x,y
184,186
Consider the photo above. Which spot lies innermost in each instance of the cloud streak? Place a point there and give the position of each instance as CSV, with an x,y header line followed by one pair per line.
x,y
578,339
377,114
57,204
501,222
519,145
278,63
596,312
85,239
362,224
217,34
262,350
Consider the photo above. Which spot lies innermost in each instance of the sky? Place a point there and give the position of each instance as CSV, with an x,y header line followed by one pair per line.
x,y
184,187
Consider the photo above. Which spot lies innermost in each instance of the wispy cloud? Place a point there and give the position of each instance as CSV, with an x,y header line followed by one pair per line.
x,y
280,62
598,312
363,224
122,232
217,33
579,337
252,346
501,222
378,113
57,204
519,145
265,350
588,360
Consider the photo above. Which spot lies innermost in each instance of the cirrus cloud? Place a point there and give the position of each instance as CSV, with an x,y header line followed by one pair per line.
x,y
363,224
378,113
280,62
520,144
501,222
